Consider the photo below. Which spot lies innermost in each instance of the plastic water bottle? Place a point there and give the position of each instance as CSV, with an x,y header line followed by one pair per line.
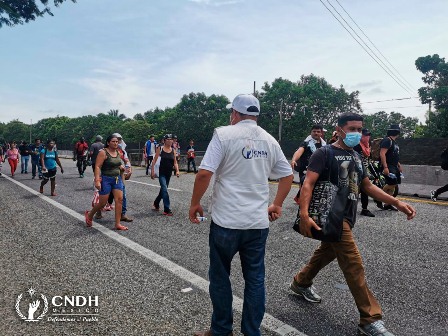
x,y
392,176
401,175
201,219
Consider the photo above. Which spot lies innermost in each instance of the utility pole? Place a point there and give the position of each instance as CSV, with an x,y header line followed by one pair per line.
x,y
254,90
31,127
280,122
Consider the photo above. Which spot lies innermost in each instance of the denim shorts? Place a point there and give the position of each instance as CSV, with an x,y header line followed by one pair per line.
x,y
108,183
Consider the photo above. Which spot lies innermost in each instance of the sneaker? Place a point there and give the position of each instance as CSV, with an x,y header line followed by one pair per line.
x,y
367,213
155,207
390,207
168,213
307,292
33,177
374,329
433,196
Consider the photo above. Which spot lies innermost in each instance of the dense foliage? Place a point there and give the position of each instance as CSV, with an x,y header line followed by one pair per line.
x,y
435,71
303,103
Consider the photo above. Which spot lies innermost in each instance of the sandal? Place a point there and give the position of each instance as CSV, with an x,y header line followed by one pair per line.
x,y
41,189
88,220
121,227
155,208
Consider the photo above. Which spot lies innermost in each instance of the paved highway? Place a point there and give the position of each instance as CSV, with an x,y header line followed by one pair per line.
x,y
151,280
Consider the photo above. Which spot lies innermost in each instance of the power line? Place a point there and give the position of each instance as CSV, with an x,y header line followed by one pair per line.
x,y
373,44
386,100
389,71
362,46
388,108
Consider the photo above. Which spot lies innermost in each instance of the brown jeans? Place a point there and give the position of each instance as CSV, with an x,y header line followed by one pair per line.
x,y
350,262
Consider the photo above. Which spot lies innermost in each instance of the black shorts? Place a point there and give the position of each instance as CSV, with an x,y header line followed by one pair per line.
x,y
50,174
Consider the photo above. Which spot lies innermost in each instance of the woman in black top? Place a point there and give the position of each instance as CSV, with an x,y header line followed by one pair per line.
x,y
167,162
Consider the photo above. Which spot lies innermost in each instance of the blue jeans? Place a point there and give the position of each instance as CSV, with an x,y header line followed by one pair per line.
x,y
224,244
24,165
164,181
36,163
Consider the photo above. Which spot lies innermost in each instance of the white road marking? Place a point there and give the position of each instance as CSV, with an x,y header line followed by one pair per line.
x,y
269,321
152,185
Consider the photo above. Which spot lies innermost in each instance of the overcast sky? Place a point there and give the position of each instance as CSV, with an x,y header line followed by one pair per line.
x,y
136,55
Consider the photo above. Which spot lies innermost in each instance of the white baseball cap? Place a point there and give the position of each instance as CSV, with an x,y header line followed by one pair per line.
x,y
245,104
117,135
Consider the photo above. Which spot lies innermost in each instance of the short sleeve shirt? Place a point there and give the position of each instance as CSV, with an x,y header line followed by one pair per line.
x,y
95,149
49,158
346,170
243,157
393,151
305,158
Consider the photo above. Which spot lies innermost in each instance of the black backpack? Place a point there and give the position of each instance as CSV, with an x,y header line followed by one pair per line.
x,y
444,157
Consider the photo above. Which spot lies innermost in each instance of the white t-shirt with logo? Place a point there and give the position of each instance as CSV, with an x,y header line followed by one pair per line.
x,y
242,157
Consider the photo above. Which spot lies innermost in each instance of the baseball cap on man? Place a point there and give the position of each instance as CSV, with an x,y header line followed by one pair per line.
x,y
365,131
245,104
98,138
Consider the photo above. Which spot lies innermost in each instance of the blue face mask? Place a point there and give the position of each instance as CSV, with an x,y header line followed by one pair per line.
x,y
352,139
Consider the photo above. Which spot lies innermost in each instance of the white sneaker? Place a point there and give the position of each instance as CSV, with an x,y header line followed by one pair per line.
x,y
433,195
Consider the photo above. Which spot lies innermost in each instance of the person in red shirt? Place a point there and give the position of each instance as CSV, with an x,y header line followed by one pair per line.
x,y
80,155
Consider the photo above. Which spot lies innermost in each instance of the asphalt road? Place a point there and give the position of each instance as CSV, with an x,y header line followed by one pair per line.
x,y
44,244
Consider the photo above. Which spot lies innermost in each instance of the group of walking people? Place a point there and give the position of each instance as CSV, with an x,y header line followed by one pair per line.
x,y
242,156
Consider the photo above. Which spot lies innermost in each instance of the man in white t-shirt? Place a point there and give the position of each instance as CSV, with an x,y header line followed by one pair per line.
x,y
241,156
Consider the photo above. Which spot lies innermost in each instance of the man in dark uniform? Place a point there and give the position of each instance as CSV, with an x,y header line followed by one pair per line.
x,y
390,162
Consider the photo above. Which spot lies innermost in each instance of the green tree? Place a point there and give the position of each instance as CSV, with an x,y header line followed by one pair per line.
x,y
435,71
379,122
311,100
15,12
16,131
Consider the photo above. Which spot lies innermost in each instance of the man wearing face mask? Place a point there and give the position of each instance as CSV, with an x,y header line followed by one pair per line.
x,y
343,169
241,156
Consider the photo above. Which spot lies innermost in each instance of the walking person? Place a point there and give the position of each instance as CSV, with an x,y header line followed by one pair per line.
x,y
35,150
48,160
108,169
435,193
301,157
343,168
2,159
95,149
125,175
363,148
242,156
149,151
168,162
13,158
390,163
80,155
24,151
191,155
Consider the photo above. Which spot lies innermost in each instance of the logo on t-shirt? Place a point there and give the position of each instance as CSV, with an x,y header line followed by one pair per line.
x,y
252,153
